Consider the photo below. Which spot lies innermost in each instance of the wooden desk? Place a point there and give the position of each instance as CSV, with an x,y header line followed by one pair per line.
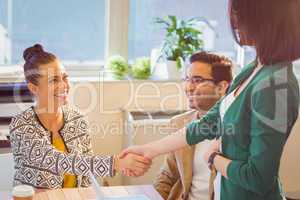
x,y
295,195
89,194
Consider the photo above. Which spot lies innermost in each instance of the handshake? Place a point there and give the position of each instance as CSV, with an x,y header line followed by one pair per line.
x,y
134,161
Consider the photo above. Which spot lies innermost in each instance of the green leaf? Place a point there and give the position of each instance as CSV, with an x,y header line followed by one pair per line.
x,y
141,69
173,20
181,39
118,65
179,63
161,21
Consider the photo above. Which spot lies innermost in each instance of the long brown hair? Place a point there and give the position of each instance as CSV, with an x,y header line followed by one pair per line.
x,y
272,25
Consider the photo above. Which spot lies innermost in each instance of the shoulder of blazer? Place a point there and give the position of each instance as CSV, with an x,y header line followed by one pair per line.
x,y
277,72
22,119
246,71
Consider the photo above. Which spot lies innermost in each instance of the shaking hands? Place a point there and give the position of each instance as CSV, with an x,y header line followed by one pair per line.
x,y
134,161
132,164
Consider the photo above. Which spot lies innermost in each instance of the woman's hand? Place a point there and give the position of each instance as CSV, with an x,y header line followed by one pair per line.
x,y
133,164
214,147
220,162
141,150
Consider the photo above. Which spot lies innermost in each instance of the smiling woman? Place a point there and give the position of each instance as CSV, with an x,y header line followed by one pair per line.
x,y
50,141
46,77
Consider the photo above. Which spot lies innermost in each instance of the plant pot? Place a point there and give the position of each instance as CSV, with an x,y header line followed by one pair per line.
x,y
172,70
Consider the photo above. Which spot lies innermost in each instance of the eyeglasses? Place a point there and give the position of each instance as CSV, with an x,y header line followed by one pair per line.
x,y
198,79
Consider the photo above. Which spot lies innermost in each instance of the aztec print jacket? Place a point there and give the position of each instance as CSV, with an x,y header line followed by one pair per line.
x,y
39,164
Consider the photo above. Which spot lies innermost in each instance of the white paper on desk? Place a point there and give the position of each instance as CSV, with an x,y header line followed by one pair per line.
x,y
115,191
97,188
100,194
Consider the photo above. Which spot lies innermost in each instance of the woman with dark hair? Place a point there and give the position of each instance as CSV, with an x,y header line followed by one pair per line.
x,y
50,141
255,118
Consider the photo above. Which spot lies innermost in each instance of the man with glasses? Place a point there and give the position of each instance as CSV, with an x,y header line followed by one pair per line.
x,y
185,174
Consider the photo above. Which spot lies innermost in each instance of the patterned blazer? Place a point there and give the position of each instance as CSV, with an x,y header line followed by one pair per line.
x,y
39,164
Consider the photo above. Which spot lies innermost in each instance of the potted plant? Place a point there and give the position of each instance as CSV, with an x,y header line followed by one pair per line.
x,y
118,65
141,68
182,39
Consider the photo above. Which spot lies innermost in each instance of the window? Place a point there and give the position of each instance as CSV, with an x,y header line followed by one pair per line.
x,y
73,30
145,35
84,32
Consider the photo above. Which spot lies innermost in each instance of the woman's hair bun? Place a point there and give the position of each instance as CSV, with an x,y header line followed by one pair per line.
x,y
31,51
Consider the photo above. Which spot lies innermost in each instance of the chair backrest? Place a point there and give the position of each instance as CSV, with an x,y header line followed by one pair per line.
x,y
6,171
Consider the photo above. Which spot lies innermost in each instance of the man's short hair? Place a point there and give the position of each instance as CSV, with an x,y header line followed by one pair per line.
x,y
221,66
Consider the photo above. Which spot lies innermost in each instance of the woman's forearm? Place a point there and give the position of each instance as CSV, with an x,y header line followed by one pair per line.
x,y
169,143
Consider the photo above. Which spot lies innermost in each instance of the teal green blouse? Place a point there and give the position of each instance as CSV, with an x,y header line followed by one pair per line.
x,y
254,131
